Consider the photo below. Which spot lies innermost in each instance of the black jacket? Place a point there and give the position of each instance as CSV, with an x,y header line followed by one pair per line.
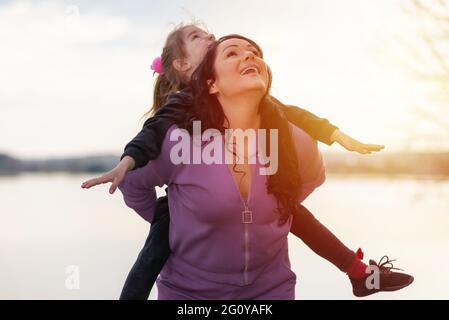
x,y
147,144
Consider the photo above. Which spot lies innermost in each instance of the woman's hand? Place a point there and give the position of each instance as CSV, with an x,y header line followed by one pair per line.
x,y
115,176
351,144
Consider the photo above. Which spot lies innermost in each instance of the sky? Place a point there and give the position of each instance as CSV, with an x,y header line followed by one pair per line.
x,y
75,76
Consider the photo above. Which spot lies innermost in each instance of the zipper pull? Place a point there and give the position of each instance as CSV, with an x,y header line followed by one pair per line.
x,y
247,215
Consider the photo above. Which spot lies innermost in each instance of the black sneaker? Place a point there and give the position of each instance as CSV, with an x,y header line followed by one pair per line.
x,y
380,278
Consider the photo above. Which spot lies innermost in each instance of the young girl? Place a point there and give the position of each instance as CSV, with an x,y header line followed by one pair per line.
x,y
184,49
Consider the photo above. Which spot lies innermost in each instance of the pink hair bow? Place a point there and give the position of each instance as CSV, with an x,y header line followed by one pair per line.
x,y
156,66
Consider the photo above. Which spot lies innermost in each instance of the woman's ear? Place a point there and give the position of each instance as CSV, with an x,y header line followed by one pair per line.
x,y
181,65
212,88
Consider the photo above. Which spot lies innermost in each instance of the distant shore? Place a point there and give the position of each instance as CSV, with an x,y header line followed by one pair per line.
x,y
390,164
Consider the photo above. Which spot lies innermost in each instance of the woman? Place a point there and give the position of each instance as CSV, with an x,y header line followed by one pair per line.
x,y
264,271
184,49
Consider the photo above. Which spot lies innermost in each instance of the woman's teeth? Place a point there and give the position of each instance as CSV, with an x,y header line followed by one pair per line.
x,y
249,70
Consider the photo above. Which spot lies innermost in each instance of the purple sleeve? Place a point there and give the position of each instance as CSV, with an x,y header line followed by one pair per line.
x,y
138,186
311,165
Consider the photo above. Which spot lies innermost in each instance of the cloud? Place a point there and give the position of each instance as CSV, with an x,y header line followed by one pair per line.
x,y
69,75
76,78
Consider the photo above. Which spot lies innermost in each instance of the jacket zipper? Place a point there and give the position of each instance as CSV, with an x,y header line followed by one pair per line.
x,y
246,219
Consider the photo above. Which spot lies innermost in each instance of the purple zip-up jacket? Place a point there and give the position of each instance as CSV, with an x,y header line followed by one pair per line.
x,y
214,254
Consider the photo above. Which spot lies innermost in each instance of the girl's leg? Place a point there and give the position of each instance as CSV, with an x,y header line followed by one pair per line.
x,y
324,243
151,258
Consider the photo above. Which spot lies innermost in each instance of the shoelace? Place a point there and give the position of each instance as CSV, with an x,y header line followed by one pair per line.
x,y
387,265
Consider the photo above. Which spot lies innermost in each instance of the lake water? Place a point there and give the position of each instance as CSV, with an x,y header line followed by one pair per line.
x,y
48,224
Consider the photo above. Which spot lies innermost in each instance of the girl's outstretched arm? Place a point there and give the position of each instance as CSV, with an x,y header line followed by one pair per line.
x,y
115,176
322,130
352,144
146,145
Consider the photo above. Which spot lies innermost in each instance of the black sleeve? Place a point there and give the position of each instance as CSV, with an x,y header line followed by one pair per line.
x,y
318,128
147,144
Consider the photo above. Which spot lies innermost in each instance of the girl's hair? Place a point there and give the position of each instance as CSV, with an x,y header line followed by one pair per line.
x,y
171,80
285,184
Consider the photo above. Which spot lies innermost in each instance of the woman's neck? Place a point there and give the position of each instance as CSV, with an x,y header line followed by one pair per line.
x,y
242,112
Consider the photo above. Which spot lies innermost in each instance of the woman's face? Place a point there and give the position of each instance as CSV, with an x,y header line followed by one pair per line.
x,y
196,44
239,69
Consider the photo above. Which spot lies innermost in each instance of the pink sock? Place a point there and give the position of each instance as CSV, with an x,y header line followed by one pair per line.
x,y
358,267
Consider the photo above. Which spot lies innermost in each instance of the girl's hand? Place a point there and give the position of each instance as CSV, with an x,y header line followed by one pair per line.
x,y
351,144
115,176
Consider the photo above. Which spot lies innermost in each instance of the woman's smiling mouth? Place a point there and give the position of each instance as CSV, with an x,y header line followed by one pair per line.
x,y
250,69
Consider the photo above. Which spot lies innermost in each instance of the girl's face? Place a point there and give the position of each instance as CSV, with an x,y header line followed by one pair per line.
x,y
196,44
238,69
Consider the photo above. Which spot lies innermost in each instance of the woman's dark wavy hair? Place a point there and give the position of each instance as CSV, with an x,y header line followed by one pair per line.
x,y
285,184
